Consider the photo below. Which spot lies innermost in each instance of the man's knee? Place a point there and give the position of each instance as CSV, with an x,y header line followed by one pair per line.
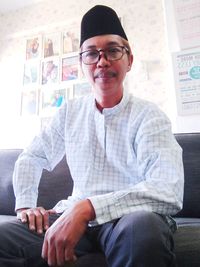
x,y
141,221
19,246
145,228
141,239
15,234
7,228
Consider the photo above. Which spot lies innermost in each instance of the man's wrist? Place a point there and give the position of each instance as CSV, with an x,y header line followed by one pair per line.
x,y
85,208
20,210
91,210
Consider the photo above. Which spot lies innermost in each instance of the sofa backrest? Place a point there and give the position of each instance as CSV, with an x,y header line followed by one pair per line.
x,y
7,161
57,185
190,143
54,186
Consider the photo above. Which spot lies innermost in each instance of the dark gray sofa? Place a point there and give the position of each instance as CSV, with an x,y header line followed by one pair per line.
x,y
58,184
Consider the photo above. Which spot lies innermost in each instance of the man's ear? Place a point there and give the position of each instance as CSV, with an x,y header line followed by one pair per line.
x,y
81,68
82,74
130,59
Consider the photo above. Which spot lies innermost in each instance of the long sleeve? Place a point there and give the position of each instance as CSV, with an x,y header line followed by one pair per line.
x,y
45,151
160,173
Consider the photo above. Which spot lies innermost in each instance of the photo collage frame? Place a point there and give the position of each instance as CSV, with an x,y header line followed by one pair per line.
x,y
51,72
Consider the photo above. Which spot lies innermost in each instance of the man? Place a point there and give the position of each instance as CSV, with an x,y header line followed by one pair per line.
x,y
125,163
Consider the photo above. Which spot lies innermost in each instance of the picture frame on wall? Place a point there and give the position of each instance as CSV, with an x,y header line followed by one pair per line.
x,y
29,102
70,42
33,47
70,38
70,68
81,89
50,71
31,73
51,100
51,45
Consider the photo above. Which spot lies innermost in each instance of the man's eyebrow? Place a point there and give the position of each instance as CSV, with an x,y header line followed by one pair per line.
x,y
112,43
90,47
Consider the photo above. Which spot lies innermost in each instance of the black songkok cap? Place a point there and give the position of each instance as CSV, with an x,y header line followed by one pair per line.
x,y
100,20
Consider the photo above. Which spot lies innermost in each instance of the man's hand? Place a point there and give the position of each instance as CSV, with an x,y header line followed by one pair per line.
x,y
63,235
37,218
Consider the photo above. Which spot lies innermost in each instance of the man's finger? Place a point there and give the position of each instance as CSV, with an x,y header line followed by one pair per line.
x,y
31,219
45,249
60,254
45,218
70,255
22,216
51,211
39,221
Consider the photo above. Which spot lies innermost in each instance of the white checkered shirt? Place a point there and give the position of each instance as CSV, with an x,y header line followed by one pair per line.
x,y
123,159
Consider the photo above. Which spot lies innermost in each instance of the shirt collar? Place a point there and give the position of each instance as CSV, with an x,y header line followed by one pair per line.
x,y
117,108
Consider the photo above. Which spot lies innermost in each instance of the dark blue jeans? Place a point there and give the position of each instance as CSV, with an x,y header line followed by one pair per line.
x,y
140,239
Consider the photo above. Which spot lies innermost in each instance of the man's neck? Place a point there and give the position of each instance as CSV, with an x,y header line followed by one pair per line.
x,y
107,102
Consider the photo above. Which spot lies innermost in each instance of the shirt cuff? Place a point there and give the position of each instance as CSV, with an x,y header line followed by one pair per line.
x,y
105,207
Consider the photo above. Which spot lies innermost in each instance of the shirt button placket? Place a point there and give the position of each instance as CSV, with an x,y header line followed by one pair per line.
x,y
99,158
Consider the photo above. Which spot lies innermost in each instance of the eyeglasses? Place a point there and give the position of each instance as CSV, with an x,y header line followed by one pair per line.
x,y
112,53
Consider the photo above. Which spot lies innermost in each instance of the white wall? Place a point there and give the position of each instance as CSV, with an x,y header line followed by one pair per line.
x,y
186,123
145,27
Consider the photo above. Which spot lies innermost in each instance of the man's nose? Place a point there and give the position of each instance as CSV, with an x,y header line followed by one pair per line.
x,y
102,60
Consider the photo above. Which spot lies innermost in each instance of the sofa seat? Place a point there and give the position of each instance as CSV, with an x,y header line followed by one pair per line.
x,y
187,242
58,184
5,218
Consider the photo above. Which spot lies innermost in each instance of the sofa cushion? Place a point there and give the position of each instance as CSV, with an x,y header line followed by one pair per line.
x,y
6,218
190,144
187,242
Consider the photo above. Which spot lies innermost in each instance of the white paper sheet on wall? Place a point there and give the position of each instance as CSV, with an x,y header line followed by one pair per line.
x,y
187,17
186,66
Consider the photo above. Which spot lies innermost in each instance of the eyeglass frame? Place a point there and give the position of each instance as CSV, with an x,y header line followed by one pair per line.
x,y
105,51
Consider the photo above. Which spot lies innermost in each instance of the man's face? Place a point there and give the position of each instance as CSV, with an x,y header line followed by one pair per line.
x,y
106,76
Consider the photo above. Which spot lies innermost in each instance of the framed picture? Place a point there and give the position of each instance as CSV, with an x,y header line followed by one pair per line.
x,y
29,102
70,38
50,71
51,100
33,47
70,69
70,42
31,72
81,89
51,45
